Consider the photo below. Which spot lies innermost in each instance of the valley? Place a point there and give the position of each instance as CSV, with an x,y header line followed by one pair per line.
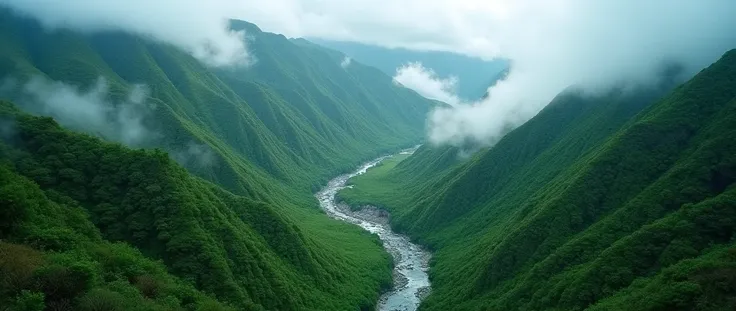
x,y
191,161
410,261
596,203
214,196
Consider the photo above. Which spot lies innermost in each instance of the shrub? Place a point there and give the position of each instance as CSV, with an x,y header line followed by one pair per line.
x,y
17,264
102,300
61,282
148,286
28,301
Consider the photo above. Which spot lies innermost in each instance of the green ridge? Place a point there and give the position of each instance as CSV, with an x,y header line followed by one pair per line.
x,y
240,251
619,202
244,232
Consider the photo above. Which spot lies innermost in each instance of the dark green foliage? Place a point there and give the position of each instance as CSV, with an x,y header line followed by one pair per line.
x,y
56,275
703,283
17,264
102,300
241,251
27,301
607,203
12,214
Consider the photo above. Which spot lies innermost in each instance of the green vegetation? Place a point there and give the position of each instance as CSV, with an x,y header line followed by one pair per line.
x,y
619,202
242,252
372,185
246,232
52,255
295,118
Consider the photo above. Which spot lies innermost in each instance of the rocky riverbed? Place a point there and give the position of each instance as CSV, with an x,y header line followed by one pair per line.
x,y
411,262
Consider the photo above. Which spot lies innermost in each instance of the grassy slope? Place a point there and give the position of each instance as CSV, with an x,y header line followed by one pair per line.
x,y
579,208
278,129
371,187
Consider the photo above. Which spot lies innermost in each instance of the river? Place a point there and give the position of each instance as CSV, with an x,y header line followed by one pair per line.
x,y
411,262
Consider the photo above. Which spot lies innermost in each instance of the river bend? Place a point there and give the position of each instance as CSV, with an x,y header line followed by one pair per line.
x,y
411,262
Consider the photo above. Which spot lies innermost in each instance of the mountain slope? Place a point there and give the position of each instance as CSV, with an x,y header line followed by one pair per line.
x,y
67,259
585,210
243,252
286,111
247,230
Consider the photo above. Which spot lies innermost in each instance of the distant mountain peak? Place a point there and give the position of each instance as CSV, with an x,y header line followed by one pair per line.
x,y
237,25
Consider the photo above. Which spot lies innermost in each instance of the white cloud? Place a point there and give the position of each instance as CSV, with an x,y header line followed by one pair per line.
x,y
552,44
591,45
92,110
199,27
426,82
444,25
195,156
346,62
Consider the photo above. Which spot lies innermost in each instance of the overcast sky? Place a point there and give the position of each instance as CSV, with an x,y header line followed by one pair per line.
x,y
552,44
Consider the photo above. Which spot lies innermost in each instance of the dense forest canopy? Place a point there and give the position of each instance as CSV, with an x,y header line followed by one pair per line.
x,y
192,187
136,174
619,202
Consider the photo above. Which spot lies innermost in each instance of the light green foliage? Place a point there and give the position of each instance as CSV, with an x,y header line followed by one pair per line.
x,y
367,188
610,203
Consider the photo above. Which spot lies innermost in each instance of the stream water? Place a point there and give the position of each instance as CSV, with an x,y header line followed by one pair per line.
x,y
411,283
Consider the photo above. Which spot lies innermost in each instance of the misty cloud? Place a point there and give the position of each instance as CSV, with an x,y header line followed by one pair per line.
x,y
426,82
7,85
195,155
346,62
7,128
552,44
591,45
198,27
91,110
439,25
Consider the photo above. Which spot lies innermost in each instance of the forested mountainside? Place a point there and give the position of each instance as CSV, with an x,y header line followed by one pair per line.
x,y
70,197
295,116
472,73
619,202
211,207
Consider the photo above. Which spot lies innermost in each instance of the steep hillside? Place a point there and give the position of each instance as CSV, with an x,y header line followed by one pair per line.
x,y
527,157
65,263
582,207
240,251
245,232
295,116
